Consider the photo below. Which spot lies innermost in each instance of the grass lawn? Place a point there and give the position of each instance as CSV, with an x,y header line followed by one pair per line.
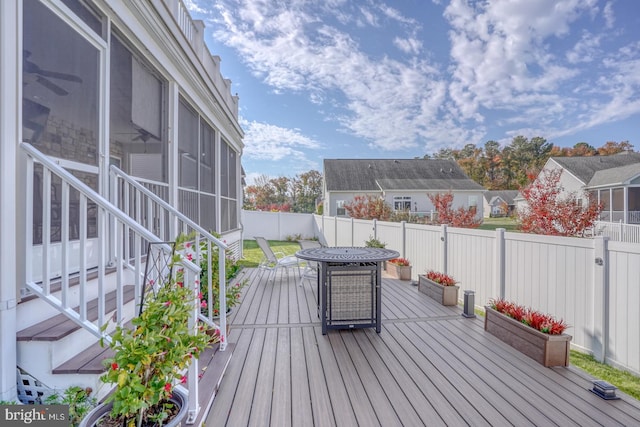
x,y
509,224
253,254
626,382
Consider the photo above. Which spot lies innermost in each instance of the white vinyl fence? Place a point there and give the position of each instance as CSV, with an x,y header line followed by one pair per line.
x,y
593,284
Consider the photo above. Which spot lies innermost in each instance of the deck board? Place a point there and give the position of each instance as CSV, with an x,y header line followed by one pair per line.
x,y
428,366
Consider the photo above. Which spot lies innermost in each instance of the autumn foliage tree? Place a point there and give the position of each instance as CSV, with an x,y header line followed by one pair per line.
x,y
368,207
460,217
552,212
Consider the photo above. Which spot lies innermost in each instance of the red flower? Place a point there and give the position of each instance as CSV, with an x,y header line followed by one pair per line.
x,y
167,387
167,303
114,366
441,278
189,257
183,380
187,245
203,303
180,284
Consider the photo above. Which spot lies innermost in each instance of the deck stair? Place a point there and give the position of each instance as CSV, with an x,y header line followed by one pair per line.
x,y
85,365
79,288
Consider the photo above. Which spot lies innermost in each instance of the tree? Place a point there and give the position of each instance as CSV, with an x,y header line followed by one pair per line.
x,y
368,207
461,217
612,147
306,189
582,149
552,213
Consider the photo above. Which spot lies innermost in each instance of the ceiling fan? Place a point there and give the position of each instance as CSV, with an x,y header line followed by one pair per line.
x,y
43,76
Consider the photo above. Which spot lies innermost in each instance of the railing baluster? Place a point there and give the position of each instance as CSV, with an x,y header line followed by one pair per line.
x,y
28,231
119,238
46,230
82,218
64,242
101,264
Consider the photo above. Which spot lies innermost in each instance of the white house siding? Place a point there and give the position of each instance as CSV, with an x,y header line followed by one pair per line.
x,y
419,200
569,182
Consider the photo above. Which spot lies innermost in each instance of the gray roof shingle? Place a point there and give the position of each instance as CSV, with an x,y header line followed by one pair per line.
x,y
584,168
368,175
614,176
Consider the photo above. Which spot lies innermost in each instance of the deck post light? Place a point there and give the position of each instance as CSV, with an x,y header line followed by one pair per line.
x,y
469,304
604,390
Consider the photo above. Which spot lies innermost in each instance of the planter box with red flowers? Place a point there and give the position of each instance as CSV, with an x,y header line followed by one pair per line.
x,y
400,268
537,335
439,286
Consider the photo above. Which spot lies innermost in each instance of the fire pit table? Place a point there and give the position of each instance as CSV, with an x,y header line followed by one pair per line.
x,y
349,285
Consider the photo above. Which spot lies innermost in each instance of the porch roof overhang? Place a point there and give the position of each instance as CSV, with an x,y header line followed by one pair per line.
x,y
616,177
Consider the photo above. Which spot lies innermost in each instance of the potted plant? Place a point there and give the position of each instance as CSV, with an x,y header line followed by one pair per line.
x,y
400,268
374,243
538,335
439,286
149,360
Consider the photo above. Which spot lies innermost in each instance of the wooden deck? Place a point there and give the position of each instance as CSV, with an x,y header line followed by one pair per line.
x,y
429,366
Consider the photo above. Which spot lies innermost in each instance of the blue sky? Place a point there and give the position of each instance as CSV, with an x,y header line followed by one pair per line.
x,y
402,78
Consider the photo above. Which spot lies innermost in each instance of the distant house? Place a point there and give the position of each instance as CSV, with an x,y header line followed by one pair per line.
x,y
403,183
499,203
613,180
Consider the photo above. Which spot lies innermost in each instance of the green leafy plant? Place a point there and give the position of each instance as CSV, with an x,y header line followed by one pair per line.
x,y
374,243
402,262
441,278
185,244
542,322
152,357
79,400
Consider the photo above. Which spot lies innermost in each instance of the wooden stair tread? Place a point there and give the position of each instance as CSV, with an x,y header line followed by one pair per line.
x,y
60,326
87,362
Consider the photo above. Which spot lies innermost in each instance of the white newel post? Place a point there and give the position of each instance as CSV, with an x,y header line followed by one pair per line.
x,y
9,123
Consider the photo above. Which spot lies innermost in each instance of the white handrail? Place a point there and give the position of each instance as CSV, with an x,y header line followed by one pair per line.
x,y
173,216
122,226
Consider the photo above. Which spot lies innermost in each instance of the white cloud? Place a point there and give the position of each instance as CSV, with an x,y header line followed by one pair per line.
x,y
269,142
389,103
512,63
408,45
608,15
503,60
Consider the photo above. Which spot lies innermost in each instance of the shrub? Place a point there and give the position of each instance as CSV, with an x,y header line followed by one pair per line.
x,y
542,322
440,278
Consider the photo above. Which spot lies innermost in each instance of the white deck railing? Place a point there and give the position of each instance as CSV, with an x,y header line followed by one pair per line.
x,y
618,231
125,251
166,222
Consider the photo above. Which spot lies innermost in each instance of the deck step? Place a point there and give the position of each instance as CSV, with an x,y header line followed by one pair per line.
x,y
60,326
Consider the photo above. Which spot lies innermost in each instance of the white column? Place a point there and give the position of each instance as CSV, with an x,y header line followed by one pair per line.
x,y
10,47
172,119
